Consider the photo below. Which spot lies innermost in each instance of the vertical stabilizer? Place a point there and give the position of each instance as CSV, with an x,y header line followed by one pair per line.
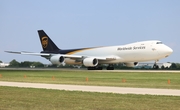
x,y
46,42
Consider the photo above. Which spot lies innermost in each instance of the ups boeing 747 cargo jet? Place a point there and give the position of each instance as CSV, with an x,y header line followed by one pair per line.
x,y
94,57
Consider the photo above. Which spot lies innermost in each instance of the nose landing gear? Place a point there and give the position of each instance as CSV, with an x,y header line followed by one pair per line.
x,y
155,66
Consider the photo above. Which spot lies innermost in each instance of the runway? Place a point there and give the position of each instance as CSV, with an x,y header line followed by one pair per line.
x,y
102,89
75,69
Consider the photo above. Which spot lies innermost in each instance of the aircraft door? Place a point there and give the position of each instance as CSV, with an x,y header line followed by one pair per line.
x,y
154,49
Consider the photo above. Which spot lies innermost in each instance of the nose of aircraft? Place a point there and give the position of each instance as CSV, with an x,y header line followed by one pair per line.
x,y
164,51
167,51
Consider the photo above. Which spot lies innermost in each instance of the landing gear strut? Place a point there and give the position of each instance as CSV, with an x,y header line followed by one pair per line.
x,y
155,66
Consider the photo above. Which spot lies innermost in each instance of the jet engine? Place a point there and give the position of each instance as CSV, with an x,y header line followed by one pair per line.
x,y
131,64
90,62
57,59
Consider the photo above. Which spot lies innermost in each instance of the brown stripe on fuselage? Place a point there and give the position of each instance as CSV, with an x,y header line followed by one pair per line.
x,y
79,50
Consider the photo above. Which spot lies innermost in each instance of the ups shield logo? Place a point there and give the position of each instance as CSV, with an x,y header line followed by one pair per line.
x,y
44,41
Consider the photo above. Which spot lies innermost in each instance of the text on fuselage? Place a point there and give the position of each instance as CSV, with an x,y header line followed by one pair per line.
x,y
131,48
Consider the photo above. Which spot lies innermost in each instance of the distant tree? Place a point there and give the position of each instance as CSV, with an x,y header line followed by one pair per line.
x,y
120,66
37,64
162,67
0,61
173,66
14,63
53,66
178,65
25,64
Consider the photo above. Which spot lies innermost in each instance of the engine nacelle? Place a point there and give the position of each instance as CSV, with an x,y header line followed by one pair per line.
x,y
90,62
131,64
57,59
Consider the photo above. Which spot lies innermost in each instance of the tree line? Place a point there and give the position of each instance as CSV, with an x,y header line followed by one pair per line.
x,y
27,64
33,64
15,63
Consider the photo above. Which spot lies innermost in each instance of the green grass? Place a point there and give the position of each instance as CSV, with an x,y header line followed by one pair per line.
x,y
13,98
133,79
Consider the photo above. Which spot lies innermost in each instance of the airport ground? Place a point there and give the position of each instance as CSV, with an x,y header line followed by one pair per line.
x,y
13,98
119,78
28,98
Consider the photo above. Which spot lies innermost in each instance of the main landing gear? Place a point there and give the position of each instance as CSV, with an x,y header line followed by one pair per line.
x,y
95,68
109,67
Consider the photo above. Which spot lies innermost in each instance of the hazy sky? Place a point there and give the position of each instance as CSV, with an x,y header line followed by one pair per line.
x,y
87,23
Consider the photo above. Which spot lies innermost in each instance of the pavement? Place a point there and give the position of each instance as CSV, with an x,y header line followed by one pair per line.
x,y
102,89
75,69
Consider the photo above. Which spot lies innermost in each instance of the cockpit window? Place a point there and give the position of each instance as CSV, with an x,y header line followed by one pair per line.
x,y
159,43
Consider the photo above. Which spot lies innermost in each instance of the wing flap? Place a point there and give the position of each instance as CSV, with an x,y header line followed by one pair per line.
x,y
106,57
72,56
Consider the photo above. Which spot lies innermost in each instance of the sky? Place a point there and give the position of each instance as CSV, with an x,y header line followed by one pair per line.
x,y
87,23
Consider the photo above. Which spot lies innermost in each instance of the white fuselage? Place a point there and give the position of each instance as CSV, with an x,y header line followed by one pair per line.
x,y
134,52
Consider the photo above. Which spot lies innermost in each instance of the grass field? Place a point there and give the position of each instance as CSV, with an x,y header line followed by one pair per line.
x,y
132,79
12,98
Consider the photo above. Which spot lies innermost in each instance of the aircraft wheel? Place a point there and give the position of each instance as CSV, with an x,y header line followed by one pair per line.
x,y
110,68
155,66
95,68
100,68
90,68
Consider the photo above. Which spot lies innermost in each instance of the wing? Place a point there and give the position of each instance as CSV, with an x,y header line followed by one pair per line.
x,y
47,55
